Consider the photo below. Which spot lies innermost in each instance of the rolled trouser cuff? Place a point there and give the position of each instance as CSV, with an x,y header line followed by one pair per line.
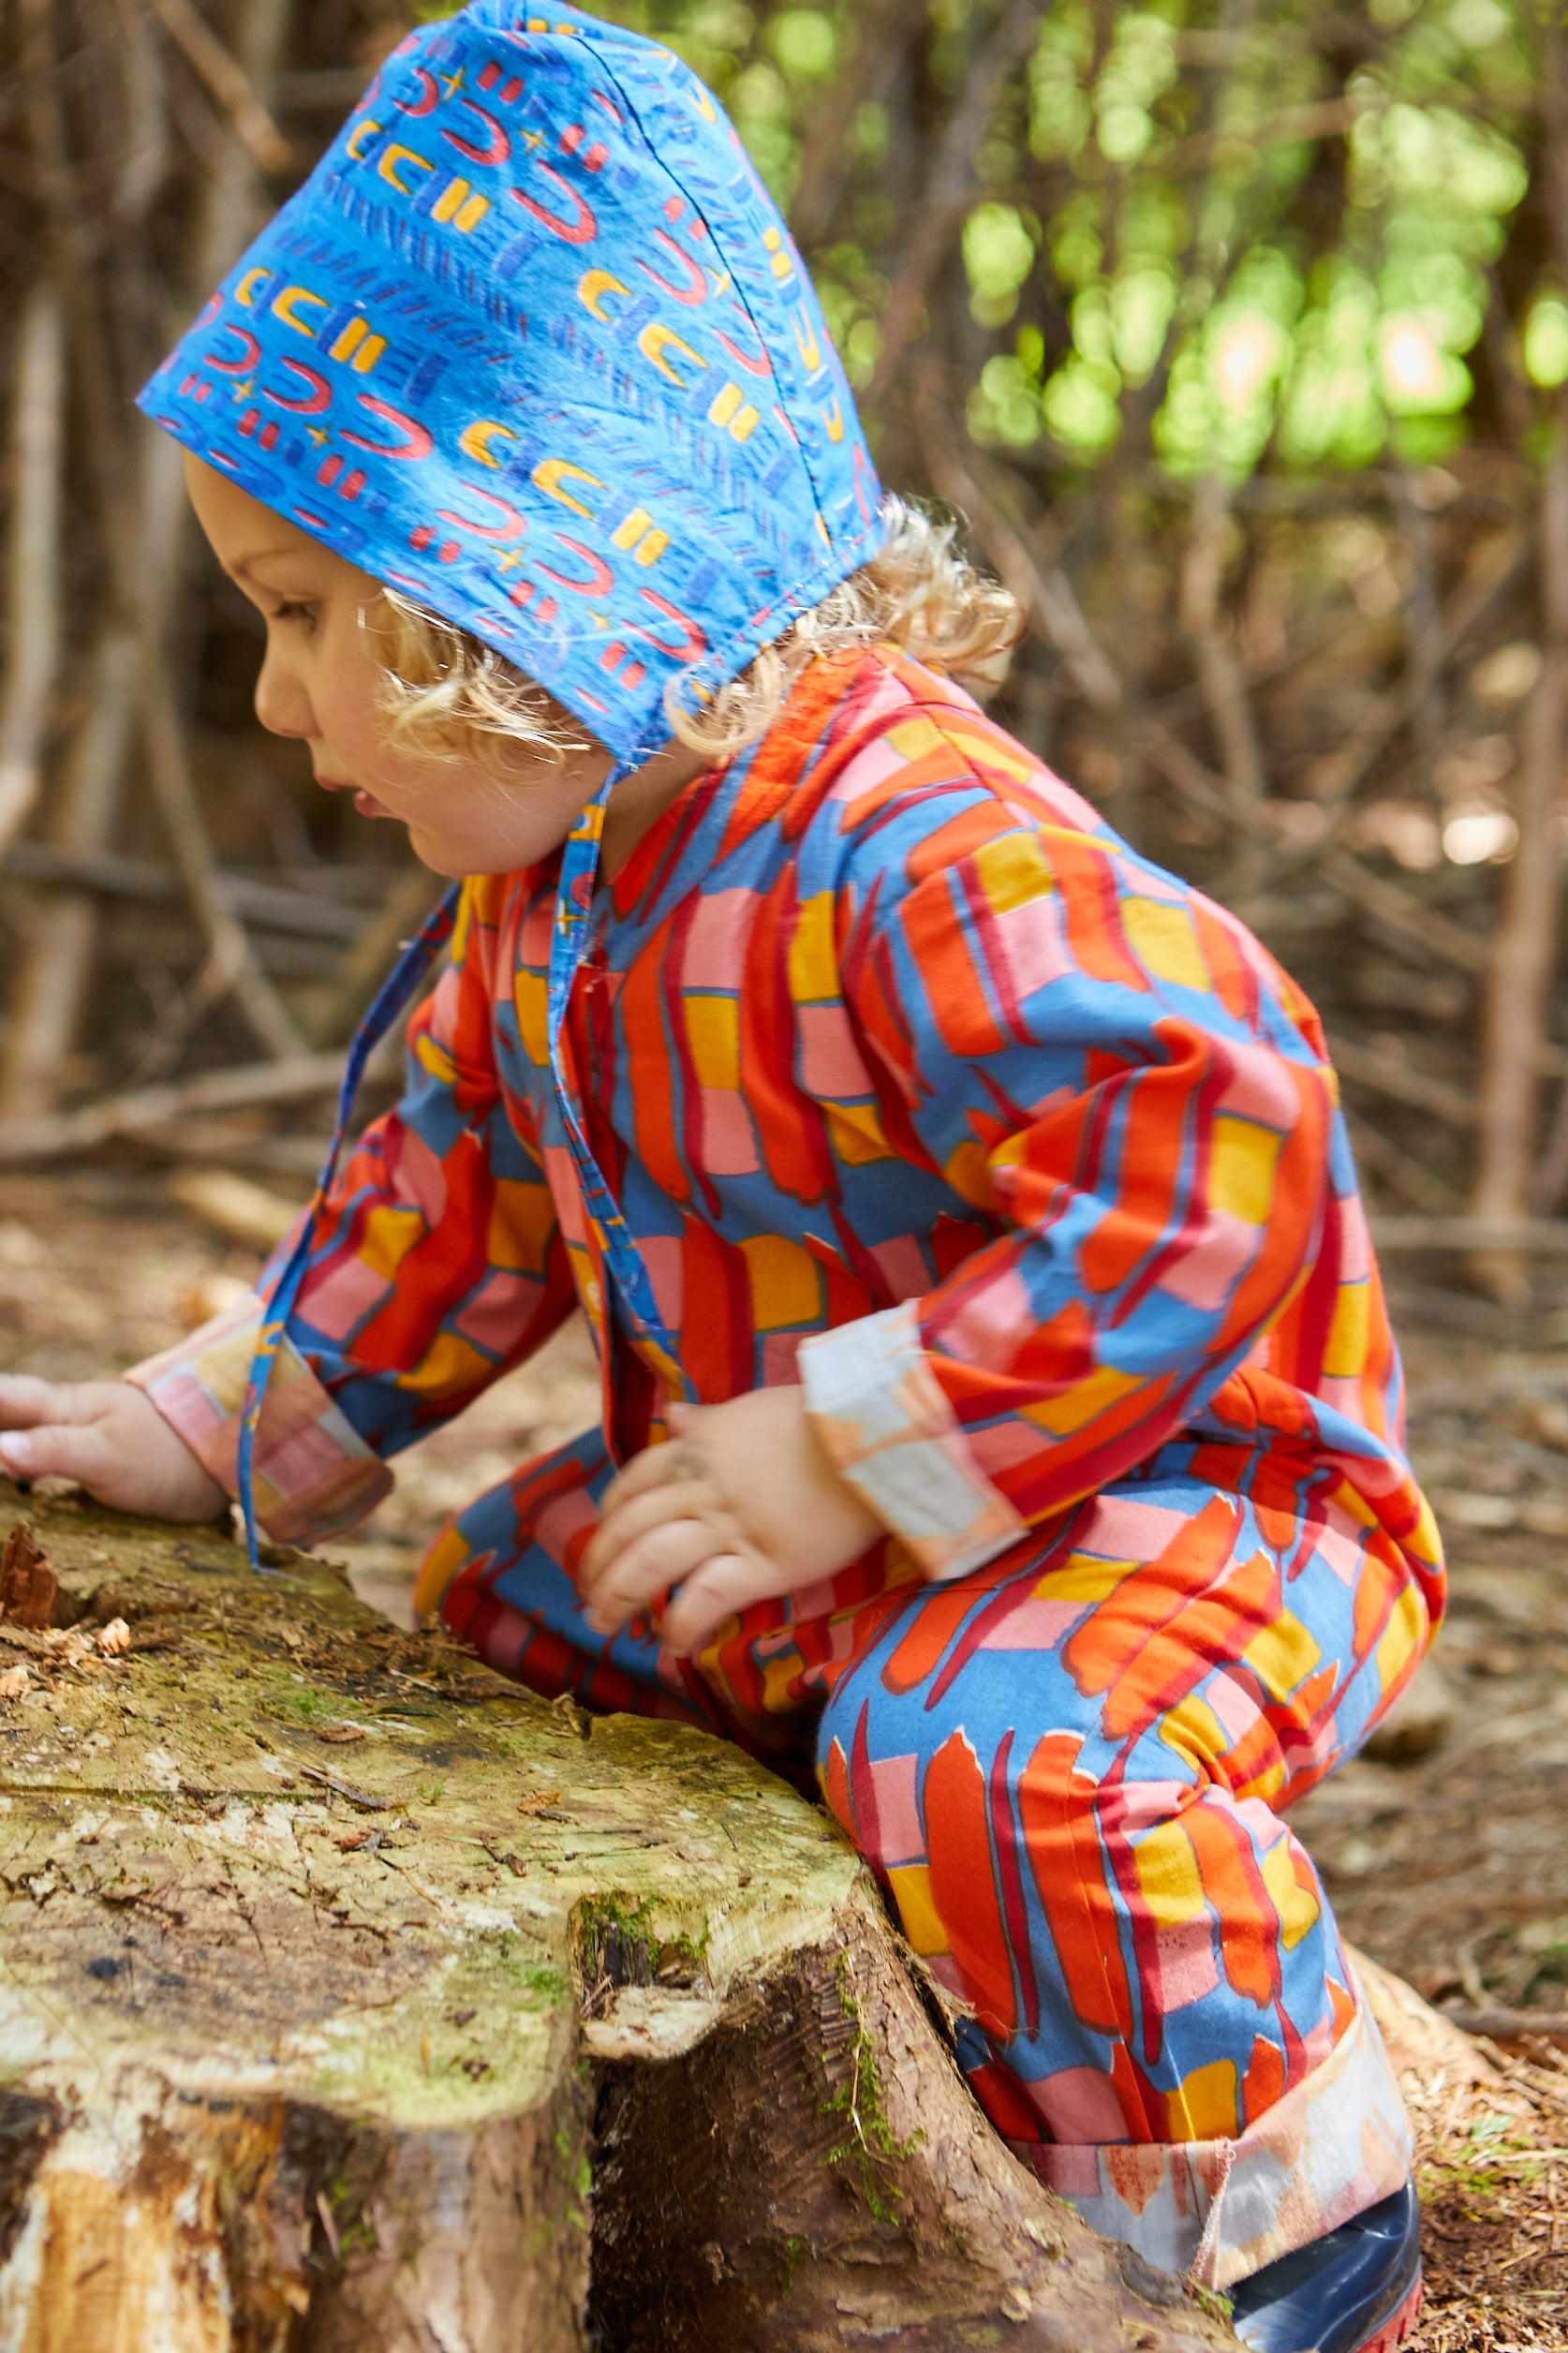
x,y
1217,2211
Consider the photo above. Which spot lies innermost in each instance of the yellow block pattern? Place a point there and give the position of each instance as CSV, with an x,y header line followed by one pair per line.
x,y
1168,1876
449,1364
440,1565
988,751
530,996
522,1217
1405,1631
786,1286
435,1059
813,960
1298,1906
968,1172
1013,871
1345,1352
1205,2104
1282,1656
1082,1578
914,739
1078,1405
911,1893
1194,1731
857,1133
1162,938
713,1028
389,1235
1242,1159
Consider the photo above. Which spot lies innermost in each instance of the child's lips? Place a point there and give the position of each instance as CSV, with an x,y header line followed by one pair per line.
x,y
367,803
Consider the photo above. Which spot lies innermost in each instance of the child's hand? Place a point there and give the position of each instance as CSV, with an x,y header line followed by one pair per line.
x,y
741,1505
109,1437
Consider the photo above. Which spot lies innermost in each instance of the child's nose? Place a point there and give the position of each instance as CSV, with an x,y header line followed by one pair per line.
x,y
282,704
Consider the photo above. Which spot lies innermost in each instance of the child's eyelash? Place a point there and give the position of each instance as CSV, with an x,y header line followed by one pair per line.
x,y
295,612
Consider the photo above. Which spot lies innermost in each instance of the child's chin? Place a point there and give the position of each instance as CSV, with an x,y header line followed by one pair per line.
x,y
440,857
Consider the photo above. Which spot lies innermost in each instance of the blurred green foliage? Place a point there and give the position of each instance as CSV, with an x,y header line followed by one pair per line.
x,y
1205,233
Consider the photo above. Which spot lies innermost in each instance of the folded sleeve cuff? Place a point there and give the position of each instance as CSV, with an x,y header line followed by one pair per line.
x,y
880,1413
315,1475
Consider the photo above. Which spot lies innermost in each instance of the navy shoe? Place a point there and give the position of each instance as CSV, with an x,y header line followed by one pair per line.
x,y
1358,2290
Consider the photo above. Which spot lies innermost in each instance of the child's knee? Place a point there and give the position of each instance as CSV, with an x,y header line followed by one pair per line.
x,y
907,1784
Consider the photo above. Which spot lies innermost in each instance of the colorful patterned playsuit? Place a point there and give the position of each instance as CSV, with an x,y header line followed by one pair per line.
x,y
894,1073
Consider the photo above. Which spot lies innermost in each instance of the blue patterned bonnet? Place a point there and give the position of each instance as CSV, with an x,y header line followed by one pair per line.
x,y
532,344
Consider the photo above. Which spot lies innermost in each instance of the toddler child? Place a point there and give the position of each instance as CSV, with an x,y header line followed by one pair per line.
x,y
999,1412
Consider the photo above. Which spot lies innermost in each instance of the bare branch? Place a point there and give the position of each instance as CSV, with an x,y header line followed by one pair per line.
x,y
951,184
154,1108
1219,669
227,81
884,30
1385,1074
33,555
232,965
1045,592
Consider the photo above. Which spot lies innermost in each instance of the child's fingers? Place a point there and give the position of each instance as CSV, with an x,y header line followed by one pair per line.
x,y
26,1401
655,1466
684,1499
62,1450
651,1562
724,1584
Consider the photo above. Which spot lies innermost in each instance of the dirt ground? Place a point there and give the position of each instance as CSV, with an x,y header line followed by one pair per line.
x,y
1451,1869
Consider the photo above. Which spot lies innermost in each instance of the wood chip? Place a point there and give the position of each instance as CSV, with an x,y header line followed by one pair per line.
x,y
29,1588
541,1803
340,1734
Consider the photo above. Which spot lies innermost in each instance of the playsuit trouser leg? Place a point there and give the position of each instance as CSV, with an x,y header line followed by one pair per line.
x,y
1067,1769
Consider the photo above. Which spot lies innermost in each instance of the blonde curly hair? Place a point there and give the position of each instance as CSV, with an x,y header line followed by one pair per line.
x,y
451,697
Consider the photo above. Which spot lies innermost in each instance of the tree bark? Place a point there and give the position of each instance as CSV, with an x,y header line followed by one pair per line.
x,y
1524,952
354,1997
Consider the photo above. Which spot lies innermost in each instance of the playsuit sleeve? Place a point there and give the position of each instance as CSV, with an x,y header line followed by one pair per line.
x,y
1134,1099
438,1265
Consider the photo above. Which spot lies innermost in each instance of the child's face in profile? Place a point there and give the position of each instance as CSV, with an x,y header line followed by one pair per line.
x,y
321,681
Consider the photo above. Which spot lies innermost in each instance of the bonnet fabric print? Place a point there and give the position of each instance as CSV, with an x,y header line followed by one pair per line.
x,y
532,344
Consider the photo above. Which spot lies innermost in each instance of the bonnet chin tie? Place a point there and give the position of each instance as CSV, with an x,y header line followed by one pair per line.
x,y
389,1000
609,1238
617,1250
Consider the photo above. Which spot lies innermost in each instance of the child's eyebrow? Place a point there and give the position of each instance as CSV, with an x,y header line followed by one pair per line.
x,y
262,555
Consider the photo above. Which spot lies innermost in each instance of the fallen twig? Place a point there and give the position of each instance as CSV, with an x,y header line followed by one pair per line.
x,y
150,1107
341,1788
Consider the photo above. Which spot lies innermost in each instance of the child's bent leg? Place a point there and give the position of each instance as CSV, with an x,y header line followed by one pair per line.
x,y
501,1575
1068,1774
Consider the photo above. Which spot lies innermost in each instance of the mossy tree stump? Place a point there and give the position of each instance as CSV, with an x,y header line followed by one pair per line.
x,y
353,1998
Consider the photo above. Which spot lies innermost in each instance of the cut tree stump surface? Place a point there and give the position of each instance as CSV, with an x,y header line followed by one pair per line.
x,y
353,1997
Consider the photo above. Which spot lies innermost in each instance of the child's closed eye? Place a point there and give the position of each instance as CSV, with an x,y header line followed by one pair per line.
x,y
297,612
